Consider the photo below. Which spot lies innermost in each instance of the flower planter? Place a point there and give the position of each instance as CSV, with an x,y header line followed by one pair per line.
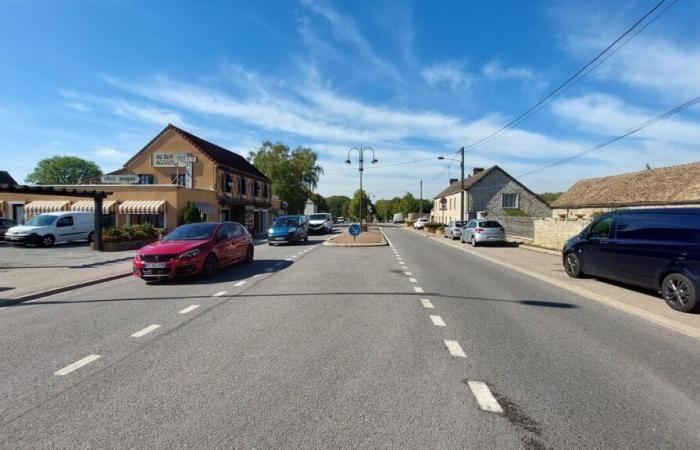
x,y
119,246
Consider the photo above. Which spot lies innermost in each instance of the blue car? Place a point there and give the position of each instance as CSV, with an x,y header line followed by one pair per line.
x,y
656,249
288,230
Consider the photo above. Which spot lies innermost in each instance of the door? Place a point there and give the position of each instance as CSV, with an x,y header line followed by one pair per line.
x,y
239,241
66,229
223,248
595,249
468,231
18,213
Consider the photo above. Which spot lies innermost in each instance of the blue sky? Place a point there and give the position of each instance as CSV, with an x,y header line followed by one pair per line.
x,y
413,80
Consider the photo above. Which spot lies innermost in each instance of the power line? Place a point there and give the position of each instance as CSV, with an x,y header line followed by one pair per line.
x,y
629,132
582,72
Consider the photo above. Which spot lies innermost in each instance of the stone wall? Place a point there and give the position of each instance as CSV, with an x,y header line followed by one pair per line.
x,y
486,196
552,234
521,227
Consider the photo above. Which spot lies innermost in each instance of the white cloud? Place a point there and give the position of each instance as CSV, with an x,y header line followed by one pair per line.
x,y
496,70
110,153
82,107
146,113
450,74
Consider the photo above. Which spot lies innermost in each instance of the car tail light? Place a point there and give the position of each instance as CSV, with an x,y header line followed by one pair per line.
x,y
478,230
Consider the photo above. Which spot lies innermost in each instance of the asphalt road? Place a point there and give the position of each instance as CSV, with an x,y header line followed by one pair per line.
x,y
320,347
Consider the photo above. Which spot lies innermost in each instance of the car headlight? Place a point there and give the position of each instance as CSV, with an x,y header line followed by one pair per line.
x,y
190,254
292,230
269,231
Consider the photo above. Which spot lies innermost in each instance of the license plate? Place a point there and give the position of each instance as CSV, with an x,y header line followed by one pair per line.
x,y
277,238
155,265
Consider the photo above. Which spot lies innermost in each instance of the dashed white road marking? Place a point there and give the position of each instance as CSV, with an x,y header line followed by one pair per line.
x,y
146,330
188,309
413,280
402,263
484,397
437,321
219,294
426,303
76,365
454,348
240,283
418,289
408,273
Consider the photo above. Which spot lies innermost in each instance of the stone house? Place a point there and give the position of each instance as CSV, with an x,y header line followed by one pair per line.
x,y
675,186
491,190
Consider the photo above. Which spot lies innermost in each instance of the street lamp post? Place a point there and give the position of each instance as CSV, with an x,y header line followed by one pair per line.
x,y
361,153
461,193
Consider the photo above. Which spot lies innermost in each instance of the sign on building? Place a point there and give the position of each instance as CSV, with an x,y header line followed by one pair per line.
x,y
168,159
119,179
443,204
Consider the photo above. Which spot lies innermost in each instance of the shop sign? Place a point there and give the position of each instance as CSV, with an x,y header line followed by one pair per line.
x,y
167,159
119,179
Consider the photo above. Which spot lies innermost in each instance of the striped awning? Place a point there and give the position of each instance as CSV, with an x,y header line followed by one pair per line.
x,y
89,206
44,206
206,208
141,207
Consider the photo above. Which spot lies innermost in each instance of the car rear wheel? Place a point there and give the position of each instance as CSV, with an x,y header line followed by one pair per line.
x,y
47,241
211,266
572,265
473,242
679,293
91,237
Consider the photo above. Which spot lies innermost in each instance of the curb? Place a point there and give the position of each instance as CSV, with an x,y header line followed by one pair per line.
x,y
70,287
330,243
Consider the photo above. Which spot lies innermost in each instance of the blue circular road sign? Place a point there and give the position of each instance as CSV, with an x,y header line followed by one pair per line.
x,y
354,229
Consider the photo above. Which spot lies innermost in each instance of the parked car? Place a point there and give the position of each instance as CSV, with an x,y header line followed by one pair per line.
x,y
195,248
288,229
341,219
454,229
48,228
398,218
481,231
321,223
652,248
420,223
6,224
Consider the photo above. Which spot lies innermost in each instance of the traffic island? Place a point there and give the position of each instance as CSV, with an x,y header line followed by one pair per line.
x,y
370,238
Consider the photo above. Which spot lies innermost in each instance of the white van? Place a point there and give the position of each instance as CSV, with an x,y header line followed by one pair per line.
x,y
398,218
49,228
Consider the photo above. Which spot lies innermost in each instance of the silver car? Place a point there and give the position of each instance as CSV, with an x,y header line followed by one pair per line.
x,y
453,229
480,231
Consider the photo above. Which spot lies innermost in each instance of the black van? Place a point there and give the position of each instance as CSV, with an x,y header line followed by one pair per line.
x,y
652,248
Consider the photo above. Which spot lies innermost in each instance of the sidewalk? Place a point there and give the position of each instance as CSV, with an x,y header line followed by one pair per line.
x,y
27,271
547,266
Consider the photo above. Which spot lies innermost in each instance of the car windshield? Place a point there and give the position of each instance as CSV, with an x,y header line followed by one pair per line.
x,y
192,232
41,220
490,224
285,222
318,217
459,224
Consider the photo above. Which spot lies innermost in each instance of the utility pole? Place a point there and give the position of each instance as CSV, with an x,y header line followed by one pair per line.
x,y
461,193
361,153
421,200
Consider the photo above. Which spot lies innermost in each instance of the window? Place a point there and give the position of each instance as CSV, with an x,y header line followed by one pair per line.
x,y
265,191
659,227
242,184
157,220
228,183
601,229
65,221
224,232
177,178
256,189
145,178
509,200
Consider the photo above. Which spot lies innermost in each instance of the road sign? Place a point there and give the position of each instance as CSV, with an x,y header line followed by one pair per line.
x,y
443,204
354,230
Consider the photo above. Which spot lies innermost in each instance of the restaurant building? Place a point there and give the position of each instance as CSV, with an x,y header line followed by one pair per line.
x,y
156,185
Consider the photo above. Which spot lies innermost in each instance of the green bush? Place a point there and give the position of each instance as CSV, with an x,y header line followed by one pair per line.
x,y
142,231
192,214
517,212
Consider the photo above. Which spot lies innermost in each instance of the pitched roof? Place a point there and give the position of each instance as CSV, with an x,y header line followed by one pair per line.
x,y
468,182
6,178
663,186
218,154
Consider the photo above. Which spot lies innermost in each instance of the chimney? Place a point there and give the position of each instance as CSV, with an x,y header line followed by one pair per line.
x,y
454,180
477,170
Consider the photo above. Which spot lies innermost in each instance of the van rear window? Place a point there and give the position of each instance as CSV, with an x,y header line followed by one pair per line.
x,y
659,227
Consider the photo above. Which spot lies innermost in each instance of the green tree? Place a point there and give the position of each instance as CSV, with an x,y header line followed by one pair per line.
x,y
338,205
549,197
355,205
319,201
294,174
408,204
191,214
63,170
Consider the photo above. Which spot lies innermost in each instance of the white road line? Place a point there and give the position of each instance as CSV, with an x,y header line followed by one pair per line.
x,y
402,263
418,289
240,283
426,303
76,365
408,274
413,280
188,309
454,348
288,259
437,321
219,294
484,397
145,331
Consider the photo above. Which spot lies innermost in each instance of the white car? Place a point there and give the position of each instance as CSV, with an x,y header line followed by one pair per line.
x,y
49,228
321,223
420,223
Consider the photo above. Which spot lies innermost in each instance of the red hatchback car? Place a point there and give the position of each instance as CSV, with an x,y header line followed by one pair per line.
x,y
196,248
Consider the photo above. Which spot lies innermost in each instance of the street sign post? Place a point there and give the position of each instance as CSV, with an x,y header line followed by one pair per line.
x,y
354,231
